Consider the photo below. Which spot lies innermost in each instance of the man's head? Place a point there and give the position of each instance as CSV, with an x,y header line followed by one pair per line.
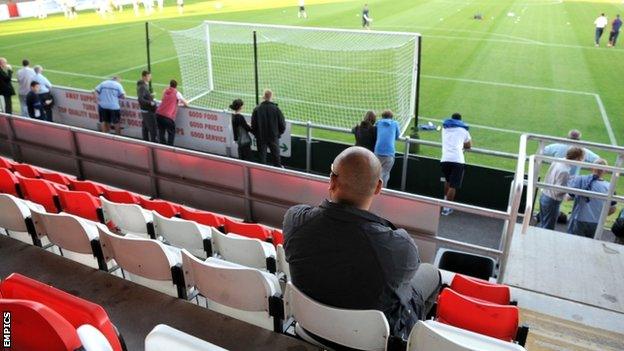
x,y
575,154
602,14
387,114
34,87
116,79
599,172
355,178
146,76
173,83
3,62
574,134
25,63
38,69
617,16
268,95
456,116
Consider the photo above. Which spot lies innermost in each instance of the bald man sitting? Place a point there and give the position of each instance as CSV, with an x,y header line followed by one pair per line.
x,y
342,255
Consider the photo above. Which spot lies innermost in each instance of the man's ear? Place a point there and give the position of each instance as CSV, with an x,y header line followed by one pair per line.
x,y
379,186
333,184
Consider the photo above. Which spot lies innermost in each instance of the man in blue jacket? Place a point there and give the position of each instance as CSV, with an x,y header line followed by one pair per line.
x,y
387,133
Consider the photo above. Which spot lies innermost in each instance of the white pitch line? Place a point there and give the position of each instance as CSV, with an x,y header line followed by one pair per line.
x,y
143,65
478,126
605,119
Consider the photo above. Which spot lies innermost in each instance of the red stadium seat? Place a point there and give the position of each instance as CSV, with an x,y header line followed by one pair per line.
x,y
121,196
256,231
81,204
9,184
26,170
164,208
73,309
6,163
278,237
40,191
55,177
202,217
92,188
35,326
497,321
481,289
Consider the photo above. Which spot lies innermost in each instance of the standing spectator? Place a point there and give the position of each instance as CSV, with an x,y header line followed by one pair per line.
x,y
342,255
615,31
366,19
44,92
268,125
33,103
148,107
366,132
559,173
387,133
241,130
302,10
601,22
586,211
6,87
25,76
560,150
107,95
455,139
167,112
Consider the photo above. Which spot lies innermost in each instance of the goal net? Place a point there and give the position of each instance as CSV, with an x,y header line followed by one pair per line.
x,y
330,77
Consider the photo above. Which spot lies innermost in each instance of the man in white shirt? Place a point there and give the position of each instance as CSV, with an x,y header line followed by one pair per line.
x,y
25,75
601,22
302,10
455,139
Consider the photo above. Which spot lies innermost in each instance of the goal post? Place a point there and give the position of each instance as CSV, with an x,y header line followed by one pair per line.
x,y
328,76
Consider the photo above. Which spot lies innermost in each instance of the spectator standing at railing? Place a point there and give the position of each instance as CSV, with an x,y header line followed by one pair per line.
x,y
268,125
167,111
455,139
241,130
550,200
107,96
586,211
366,132
560,150
25,76
33,103
44,92
388,133
148,107
6,86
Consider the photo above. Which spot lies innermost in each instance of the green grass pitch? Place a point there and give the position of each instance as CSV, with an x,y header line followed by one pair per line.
x,y
536,71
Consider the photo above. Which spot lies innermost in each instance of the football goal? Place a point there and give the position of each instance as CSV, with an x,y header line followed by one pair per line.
x,y
327,76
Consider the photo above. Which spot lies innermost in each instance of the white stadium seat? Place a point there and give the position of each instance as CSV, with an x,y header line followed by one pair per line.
x,y
165,338
146,261
76,237
127,218
243,250
358,329
92,339
15,213
282,266
184,234
434,336
234,290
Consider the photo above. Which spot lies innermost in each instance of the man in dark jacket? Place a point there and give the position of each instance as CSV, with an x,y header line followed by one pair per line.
x,y
268,125
6,87
148,107
342,255
34,105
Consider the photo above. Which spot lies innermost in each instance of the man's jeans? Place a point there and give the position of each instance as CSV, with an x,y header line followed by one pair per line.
x,y
549,212
386,166
599,32
23,107
585,229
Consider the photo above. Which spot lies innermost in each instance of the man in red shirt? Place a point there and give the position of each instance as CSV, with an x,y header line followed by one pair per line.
x,y
167,112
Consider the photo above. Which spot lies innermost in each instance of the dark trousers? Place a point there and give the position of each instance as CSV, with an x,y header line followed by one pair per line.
x,y
598,34
47,116
244,153
166,125
8,105
148,126
273,145
613,37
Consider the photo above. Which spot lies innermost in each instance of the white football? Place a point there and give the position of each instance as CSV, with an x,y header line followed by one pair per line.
x,y
218,5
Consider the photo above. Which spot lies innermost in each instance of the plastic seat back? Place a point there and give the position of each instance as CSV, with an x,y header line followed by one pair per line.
x,y
278,237
165,338
282,264
165,208
90,187
126,218
81,204
65,231
9,184
256,231
242,250
202,217
481,317
121,196
55,177
40,191
358,329
13,213
481,289
26,170
433,336
183,234
35,326
6,163
75,310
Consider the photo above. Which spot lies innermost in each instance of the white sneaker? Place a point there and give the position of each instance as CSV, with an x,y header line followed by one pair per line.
x,y
446,211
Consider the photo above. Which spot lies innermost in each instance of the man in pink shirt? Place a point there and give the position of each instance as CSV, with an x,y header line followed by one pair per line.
x,y
167,111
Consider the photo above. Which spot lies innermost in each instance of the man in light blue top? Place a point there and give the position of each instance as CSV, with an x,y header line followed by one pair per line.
x,y
560,150
44,92
387,133
107,95
24,77
586,211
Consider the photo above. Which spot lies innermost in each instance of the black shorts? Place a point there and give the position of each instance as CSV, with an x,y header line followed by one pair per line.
x,y
109,116
453,173
301,8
